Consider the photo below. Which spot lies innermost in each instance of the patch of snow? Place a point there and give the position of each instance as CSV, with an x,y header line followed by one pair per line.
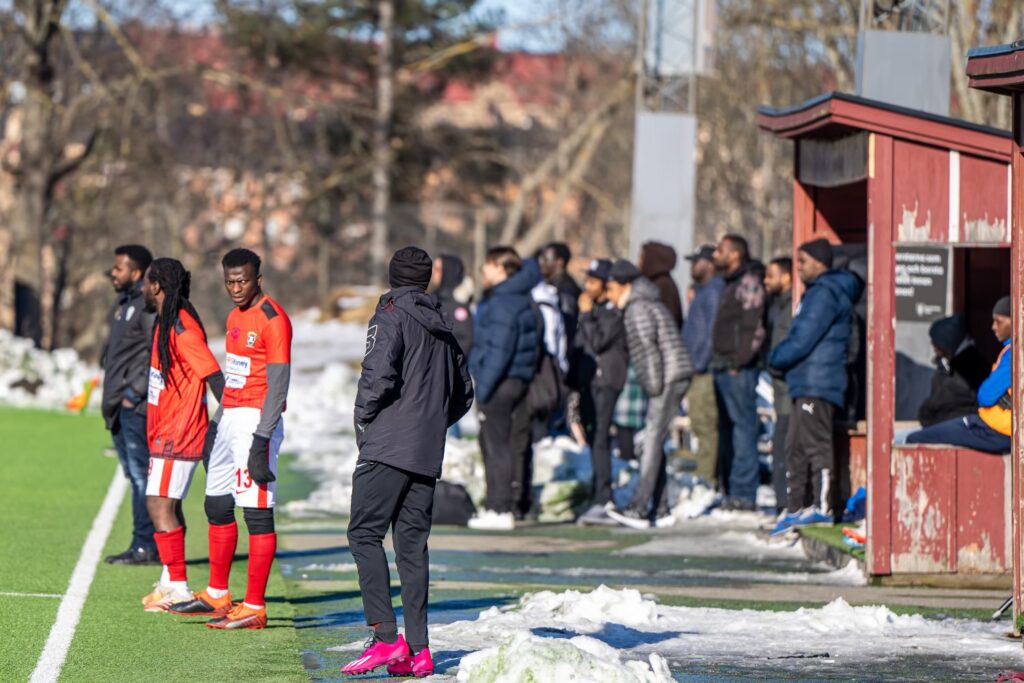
x,y
523,656
30,377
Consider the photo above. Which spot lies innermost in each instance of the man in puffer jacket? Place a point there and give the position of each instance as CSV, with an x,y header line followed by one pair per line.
x,y
814,356
664,370
503,361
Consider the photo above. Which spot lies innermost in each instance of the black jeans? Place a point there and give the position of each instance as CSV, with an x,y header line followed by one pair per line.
x,y
504,440
598,409
383,497
129,434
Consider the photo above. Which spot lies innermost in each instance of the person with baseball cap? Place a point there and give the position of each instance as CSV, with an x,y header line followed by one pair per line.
x,y
989,428
701,400
813,357
601,374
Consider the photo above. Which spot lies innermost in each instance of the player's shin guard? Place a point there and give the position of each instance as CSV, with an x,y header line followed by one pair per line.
x,y
171,546
261,556
223,542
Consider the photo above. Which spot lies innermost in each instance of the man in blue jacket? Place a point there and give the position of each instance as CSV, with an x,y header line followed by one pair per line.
x,y
989,430
506,343
697,333
814,357
414,385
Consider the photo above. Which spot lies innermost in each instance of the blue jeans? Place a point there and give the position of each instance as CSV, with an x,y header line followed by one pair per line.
x,y
966,432
133,451
738,425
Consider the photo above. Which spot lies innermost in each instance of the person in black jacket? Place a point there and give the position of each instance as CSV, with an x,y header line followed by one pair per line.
x,y
737,337
554,261
125,362
414,385
959,371
455,292
603,364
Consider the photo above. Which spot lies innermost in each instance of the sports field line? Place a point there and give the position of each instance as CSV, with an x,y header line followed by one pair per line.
x,y
8,594
51,660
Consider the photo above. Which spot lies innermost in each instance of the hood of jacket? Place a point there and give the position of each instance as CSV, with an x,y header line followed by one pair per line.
x,y
421,307
657,259
453,271
644,290
842,283
521,283
543,293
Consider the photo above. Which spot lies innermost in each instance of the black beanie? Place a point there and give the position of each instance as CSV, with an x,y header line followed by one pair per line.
x,y
623,272
410,267
949,333
1002,307
820,250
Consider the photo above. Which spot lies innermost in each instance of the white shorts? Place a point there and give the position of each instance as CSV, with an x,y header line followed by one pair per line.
x,y
228,473
170,478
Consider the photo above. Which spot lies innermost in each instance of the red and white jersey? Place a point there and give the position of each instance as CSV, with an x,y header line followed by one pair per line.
x,y
176,417
256,337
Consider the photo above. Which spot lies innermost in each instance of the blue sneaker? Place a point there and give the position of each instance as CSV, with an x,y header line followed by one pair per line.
x,y
786,522
815,517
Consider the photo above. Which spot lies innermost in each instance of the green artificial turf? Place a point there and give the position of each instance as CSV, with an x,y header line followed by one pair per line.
x,y
833,536
52,485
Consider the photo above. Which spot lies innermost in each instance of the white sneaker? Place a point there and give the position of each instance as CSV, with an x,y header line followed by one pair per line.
x,y
489,520
666,522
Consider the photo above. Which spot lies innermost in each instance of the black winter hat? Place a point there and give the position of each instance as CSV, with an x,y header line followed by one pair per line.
x,y
1002,307
410,267
623,272
820,250
947,334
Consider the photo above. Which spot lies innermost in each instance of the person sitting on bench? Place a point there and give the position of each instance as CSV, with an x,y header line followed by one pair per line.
x,y
960,370
988,429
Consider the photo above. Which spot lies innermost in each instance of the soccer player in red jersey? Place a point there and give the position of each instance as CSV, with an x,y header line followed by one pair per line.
x,y
243,457
181,368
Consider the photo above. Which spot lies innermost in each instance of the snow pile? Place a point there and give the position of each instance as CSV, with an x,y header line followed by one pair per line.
x,y
546,627
30,377
526,657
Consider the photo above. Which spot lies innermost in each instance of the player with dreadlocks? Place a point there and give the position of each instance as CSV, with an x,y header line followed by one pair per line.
x,y
181,368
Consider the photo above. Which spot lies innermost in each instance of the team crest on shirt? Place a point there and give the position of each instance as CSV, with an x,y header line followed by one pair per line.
x,y
250,339
371,339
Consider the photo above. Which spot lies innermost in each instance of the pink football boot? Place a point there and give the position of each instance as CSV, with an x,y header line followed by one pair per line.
x,y
419,666
377,654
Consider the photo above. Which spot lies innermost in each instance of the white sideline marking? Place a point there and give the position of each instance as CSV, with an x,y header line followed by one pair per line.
x,y
51,660
8,594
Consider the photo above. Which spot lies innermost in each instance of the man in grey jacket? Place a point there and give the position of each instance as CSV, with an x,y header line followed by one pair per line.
x,y
125,362
664,370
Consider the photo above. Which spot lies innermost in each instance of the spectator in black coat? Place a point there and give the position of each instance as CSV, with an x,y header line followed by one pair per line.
x,y
413,386
603,364
455,292
959,371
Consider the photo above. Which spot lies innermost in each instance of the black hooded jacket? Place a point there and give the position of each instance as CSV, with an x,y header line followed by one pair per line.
x,y
414,384
456,312
125,357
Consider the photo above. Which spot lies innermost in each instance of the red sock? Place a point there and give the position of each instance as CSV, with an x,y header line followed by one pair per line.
x,y
171,546
261,556
223,541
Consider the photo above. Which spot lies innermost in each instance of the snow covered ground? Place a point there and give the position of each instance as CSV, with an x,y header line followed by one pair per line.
x,y
620,635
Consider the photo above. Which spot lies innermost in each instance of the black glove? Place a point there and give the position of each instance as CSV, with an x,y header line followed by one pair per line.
x,y
211,437
259,460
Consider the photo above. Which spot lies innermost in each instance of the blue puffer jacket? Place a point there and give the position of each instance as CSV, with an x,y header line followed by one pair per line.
x,y
815,353
505,335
